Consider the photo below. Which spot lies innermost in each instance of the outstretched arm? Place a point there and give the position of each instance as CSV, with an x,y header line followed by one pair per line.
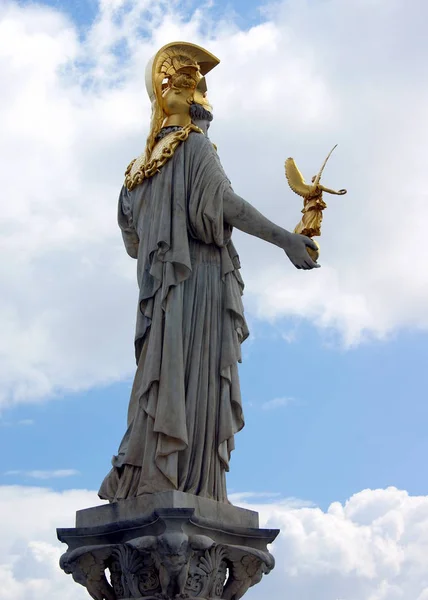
x,y
240,214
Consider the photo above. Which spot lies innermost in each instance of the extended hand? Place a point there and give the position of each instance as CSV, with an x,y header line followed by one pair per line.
x,y
296,251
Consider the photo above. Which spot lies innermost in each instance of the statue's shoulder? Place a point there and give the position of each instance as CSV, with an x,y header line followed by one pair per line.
x,y
198,141
140,168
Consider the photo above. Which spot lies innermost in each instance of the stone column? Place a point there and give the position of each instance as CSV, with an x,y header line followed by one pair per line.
x,y
167,545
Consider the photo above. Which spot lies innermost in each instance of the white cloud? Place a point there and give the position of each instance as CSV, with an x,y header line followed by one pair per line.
x,y
72,116
39,474
29,550
239,497
20,423
277,403
373,547
242,498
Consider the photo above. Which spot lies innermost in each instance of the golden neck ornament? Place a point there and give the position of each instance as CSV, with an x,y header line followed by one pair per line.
x,y
138,169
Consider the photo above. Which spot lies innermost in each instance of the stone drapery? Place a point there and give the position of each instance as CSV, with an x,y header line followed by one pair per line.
x,y
185,405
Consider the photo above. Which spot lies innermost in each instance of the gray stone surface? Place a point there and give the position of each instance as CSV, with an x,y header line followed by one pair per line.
x,y
168,553
143,506
185,406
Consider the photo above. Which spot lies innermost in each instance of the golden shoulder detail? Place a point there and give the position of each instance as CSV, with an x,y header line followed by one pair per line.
x,y
138,170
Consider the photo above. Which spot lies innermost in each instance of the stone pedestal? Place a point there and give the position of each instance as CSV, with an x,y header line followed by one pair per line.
x,y
167,545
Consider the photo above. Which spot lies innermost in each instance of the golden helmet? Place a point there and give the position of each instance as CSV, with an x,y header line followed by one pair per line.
x,y
174,59
176,65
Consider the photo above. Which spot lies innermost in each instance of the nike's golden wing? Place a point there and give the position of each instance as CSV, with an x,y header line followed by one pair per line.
x,y
295,179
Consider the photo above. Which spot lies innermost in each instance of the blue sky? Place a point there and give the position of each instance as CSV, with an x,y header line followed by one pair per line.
x,y
353,420
334,377
83,12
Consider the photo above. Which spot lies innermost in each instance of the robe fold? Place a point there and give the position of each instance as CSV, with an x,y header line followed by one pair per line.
x,y
185,405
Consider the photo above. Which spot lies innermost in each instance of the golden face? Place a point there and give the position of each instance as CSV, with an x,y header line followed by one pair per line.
x,y
176,101
202,98
178,90
183,88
